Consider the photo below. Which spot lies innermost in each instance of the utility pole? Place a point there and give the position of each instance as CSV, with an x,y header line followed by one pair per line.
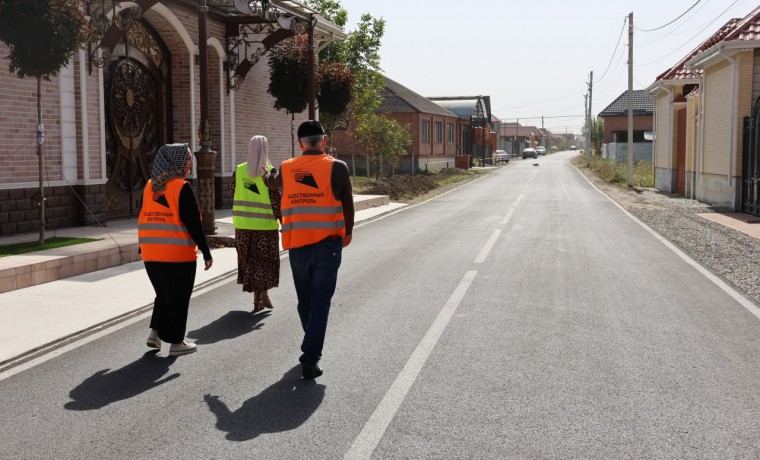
x,y
517,137
585,112
630,99
590,114
542,131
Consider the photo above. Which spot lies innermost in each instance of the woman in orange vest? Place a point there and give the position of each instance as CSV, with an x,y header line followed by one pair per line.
x,y
255,213
170,233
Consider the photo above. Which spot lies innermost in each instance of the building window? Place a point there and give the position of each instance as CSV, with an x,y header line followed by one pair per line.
x,y
450,133
438,132
425,131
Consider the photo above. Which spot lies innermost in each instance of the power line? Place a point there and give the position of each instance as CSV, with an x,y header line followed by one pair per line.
x,y
538,118
692,38
671,22
539,102
671,32
625,20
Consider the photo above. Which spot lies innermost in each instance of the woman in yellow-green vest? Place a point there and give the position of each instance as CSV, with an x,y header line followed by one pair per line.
x,y
256,213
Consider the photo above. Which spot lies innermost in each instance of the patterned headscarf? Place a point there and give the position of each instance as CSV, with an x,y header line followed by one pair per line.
x,y
258,155
169,163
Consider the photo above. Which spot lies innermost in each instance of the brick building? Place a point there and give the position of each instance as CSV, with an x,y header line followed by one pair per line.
x,y
121,98
615,118
436,132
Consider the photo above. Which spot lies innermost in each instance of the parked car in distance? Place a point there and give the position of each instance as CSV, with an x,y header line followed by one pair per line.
x,y
501,156
529,152
572,147
541,150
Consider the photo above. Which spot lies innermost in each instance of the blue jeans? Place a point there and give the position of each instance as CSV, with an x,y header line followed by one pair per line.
x,y
315,273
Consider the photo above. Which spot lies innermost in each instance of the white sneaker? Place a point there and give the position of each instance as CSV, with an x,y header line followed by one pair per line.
x,y
153,340
182,348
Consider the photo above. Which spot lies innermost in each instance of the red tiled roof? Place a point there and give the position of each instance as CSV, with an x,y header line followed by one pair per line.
x,y
748,28
679,71
521,131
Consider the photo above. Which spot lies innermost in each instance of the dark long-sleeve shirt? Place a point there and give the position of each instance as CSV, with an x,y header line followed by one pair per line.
x,y
191,217
340,181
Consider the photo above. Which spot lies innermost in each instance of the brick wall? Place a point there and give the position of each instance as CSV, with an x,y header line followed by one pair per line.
x,y
620,124
18,126
235,117
19,210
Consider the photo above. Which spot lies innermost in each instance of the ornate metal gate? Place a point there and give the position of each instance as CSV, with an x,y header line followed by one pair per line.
x,y
138,115
750,193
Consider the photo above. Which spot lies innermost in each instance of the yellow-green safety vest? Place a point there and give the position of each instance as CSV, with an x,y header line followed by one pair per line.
x,y
251,206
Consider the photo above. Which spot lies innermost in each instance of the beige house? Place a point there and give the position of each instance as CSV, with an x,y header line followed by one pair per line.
x,y
700,110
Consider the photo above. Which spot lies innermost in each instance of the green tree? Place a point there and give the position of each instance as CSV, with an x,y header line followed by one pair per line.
x,y
42,36
360,53
382,139
597,135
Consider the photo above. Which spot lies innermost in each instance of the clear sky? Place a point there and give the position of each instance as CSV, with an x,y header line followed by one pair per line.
x,y
533,57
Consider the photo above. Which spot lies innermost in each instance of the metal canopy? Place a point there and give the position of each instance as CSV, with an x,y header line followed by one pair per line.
x,y
248,35
253,27
226,11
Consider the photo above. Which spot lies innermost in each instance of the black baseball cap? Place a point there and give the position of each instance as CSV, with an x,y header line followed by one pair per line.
x,y
310,128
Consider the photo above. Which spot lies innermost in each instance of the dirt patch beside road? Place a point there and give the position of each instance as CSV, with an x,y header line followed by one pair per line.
x,y
420,187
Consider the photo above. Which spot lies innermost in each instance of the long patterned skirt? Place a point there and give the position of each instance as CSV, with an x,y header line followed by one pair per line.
x,y
258,259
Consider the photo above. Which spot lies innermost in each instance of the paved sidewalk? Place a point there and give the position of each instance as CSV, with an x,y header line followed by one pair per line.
x,y
44,316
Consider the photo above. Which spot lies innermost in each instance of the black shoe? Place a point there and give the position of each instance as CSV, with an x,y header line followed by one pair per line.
x,y
311,372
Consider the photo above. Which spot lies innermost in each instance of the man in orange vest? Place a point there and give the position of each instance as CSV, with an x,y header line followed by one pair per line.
x,y
317,220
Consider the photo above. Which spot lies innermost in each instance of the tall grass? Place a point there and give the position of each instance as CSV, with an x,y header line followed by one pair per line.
x,y
617,173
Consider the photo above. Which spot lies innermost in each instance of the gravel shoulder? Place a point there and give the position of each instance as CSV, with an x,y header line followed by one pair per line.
x,y
730,254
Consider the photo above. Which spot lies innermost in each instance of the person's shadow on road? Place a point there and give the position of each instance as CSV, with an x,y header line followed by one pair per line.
x,y
230,326
104,387
284,406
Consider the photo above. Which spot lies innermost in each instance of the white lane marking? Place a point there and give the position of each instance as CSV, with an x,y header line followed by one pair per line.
x,y
373,431
507,217
488,246
519,197
725,287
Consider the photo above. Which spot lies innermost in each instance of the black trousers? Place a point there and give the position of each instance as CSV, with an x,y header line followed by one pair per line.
x,y
173,283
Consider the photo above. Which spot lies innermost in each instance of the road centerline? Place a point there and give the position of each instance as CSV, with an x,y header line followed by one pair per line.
x,y
507,216
368,439
487,247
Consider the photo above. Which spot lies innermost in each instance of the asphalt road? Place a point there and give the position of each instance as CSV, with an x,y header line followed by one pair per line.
x,y
521,316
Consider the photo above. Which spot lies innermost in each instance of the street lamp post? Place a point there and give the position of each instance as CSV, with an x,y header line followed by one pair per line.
x,y
205,155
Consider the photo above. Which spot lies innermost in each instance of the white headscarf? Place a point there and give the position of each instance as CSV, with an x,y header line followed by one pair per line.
x,y
258,155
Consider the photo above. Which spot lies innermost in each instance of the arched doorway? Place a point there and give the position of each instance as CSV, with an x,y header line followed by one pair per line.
x,y
138,115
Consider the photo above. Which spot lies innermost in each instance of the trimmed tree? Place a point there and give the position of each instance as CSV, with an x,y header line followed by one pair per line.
x,y
43,36
597,135
382,139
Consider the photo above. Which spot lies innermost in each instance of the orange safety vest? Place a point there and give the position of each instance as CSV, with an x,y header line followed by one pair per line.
x,y
310,212
160,232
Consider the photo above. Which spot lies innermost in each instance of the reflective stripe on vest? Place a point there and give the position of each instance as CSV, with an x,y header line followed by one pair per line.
x,y
251,210
310,211
160,232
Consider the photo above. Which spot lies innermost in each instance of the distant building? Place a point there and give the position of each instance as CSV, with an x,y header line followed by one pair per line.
x,y
480,140
615,118
436,132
